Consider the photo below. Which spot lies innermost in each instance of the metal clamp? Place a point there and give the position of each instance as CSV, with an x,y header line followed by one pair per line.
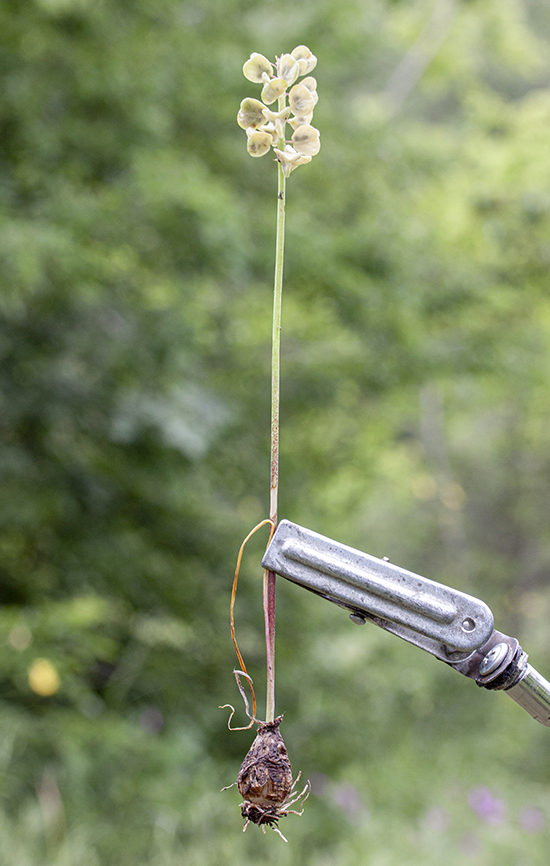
x,y
451,625
439,619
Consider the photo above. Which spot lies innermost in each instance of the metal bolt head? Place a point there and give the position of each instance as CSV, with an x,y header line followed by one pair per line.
x,y
357,618
493,659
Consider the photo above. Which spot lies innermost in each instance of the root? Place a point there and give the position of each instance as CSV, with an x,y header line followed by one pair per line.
x,y
306,791
243,672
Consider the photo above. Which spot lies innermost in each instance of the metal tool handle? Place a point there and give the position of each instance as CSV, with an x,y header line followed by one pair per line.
x,y
436,617
455,627
533,694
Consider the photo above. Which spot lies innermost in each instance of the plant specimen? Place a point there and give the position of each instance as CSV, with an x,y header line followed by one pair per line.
x,y
265,777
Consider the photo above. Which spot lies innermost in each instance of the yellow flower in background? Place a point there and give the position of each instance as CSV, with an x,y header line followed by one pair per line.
x,y
43,678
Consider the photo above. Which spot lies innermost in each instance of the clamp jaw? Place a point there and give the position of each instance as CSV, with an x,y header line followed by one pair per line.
x,y
451,625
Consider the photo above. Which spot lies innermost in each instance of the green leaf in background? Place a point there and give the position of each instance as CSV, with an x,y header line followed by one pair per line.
x,y
135,302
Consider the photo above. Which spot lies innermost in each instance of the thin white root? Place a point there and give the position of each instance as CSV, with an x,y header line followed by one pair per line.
x,y
270,815
298,797
280,834
296,780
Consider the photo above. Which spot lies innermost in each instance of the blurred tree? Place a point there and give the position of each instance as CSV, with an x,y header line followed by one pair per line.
x,y
136,251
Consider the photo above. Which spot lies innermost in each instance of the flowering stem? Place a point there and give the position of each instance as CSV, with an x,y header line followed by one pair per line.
x,y
269,576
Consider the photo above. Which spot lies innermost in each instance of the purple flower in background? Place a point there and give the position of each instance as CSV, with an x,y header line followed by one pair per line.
x,y
532,820
348,798
488,807
342,794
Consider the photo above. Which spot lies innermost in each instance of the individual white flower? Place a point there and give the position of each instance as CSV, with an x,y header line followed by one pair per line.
x,y
273,89
306,140
273,131
288,68
305,58
311,84
256,67
259,142
278,119
251,113
290,159
301,100
301,120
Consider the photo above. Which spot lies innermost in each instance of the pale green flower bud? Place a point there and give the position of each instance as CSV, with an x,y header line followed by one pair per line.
x,y
306,140
290,158
272,90
272,129
288,68
278,119
301,100
305,58
259,142
251,113
256,67
277,116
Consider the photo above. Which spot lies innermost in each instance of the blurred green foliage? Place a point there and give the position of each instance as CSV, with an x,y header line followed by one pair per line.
x,y
136,261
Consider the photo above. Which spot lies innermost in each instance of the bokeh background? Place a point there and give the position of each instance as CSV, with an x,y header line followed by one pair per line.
x,y
136,263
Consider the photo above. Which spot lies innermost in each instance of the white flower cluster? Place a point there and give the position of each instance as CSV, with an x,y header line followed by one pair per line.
x,y
266,128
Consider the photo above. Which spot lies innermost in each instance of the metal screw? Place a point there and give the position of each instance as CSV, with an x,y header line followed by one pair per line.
x,y
493,659
357,618
468,624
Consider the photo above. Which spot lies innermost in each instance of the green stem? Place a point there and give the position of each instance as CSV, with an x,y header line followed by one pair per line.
x,y
269,576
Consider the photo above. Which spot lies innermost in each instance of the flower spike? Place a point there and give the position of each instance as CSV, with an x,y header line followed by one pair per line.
x,y
265,128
